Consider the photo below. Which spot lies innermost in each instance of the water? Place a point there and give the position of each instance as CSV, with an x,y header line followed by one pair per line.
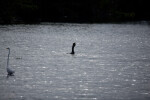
x,y
112,62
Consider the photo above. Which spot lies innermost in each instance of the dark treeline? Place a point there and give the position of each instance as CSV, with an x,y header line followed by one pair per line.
x,y
90,11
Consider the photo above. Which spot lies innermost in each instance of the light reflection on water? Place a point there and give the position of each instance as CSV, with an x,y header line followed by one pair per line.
x,y
111,62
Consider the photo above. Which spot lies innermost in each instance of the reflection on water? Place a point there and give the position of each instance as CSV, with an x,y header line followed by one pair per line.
x,y
111,62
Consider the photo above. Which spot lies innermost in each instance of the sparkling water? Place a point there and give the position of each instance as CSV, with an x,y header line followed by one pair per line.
x,y
111,62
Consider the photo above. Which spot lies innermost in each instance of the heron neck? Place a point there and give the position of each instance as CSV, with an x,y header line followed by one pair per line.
x,y
8,59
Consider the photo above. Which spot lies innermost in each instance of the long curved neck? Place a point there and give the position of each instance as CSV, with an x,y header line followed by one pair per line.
x,y
8,58
72,50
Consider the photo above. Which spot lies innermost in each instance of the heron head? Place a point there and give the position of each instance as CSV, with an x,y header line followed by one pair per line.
x,y
8,48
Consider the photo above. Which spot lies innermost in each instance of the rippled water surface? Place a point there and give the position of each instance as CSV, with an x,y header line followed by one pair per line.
x,y
112,62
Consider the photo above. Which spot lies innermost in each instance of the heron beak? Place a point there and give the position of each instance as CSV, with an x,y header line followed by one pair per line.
x,y
7,48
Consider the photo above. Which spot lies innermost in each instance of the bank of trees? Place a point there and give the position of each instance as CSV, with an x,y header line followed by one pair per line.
x,y
35,11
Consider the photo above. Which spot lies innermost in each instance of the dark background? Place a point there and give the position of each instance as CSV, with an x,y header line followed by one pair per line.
x,y
76,11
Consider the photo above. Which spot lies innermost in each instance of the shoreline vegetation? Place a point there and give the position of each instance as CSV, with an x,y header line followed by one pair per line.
x,y
73,11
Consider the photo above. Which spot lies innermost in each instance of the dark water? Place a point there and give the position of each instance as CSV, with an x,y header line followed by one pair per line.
x,y
112,62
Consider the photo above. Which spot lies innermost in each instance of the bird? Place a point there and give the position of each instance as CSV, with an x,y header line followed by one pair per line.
x,y
9,71
73,45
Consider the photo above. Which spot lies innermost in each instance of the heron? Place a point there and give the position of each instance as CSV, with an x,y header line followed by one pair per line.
x,y
9,71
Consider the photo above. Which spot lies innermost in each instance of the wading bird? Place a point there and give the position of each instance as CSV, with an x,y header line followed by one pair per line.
x,y
9,71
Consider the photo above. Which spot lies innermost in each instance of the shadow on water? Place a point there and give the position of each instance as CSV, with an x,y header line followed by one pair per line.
x,y
8,76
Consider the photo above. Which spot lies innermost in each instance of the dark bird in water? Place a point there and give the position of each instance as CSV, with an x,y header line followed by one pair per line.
x,y
9,71
73,45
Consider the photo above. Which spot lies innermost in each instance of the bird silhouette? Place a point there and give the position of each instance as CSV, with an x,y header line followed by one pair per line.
x,y
73,45
9,71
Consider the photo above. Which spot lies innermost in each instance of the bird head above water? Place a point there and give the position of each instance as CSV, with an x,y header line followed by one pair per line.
x,y
74,44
